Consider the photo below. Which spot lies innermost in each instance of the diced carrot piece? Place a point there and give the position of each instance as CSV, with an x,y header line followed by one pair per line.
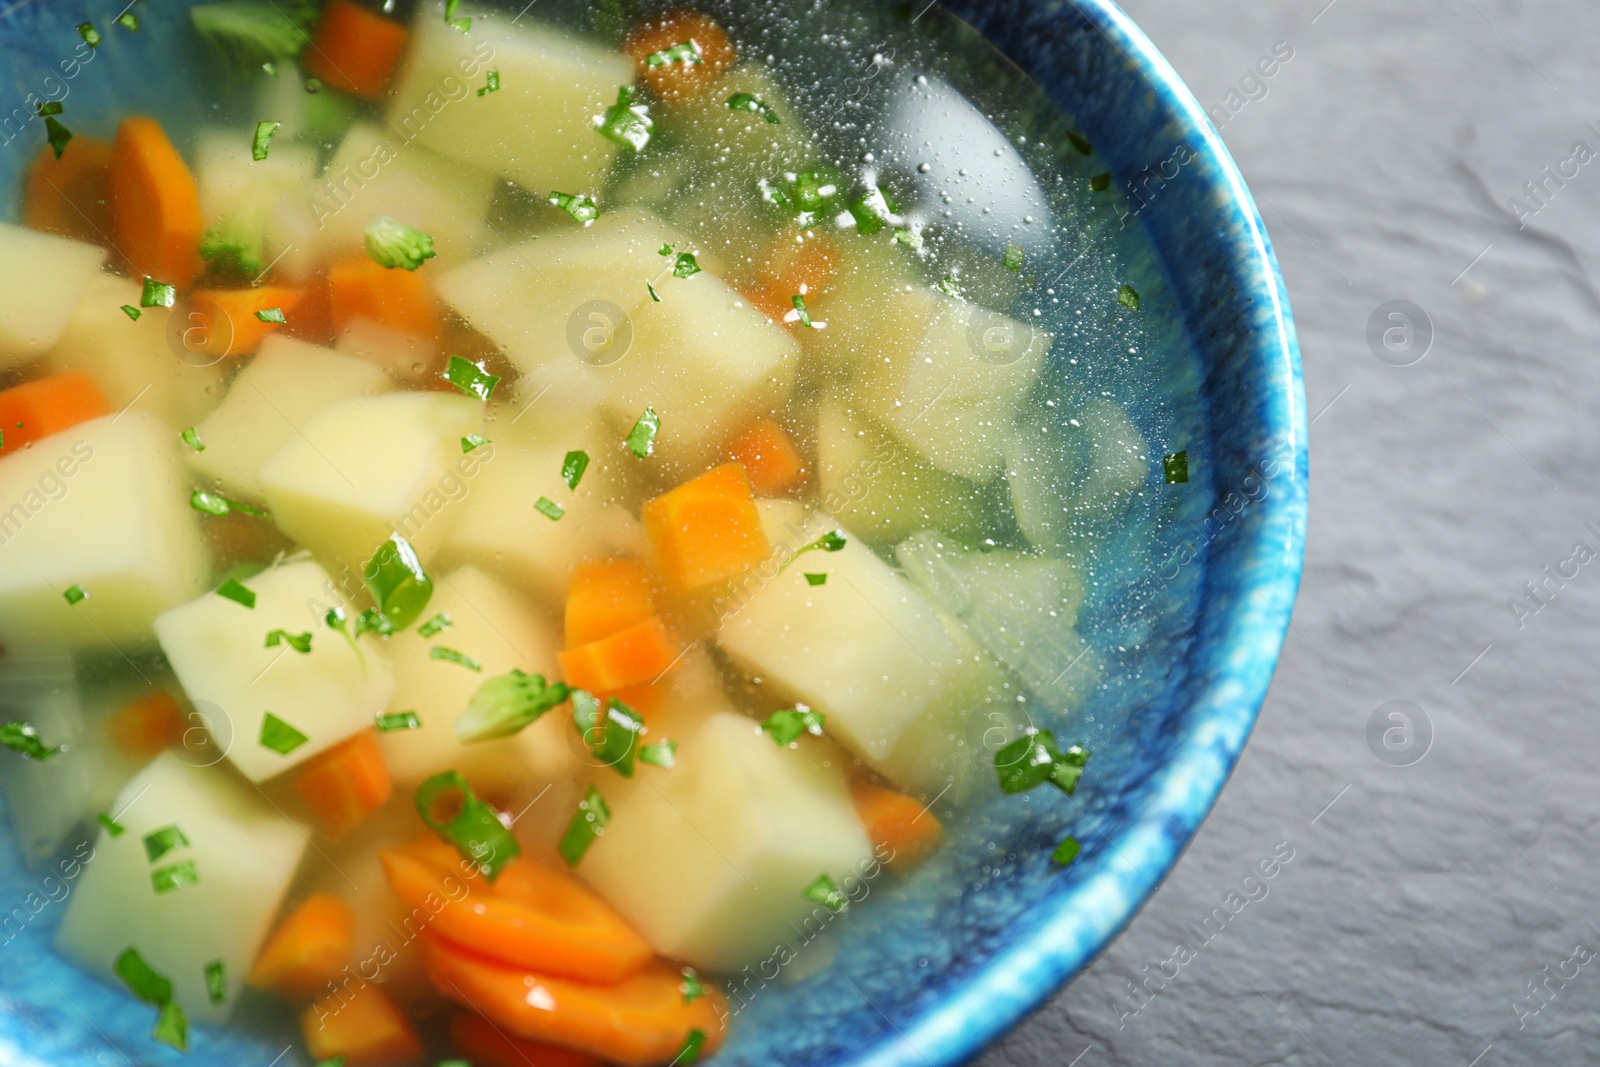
x,y
769,457
155,204
34,410
645,699
606,597
307,950
345,784
147,727
806,268
70,196
483,1044
900,823
635,656
398,299
637,1022
232,325
707,529
362,1028
355,49
681,79
530,916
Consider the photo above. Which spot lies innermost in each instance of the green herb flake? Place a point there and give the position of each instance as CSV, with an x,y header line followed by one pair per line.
x,y
192,439
373,621
253,37
691,986
263,139
453,811
611,730
21,737
816,579
390,721
141,980
113,827
216,982
216,504
804,316
1175,467
1081,143
1033,759
832,541
626,122
690,1052
664,250
492,84
663,754
685,266
826,892
786,726
684,52
907,238
52,107
301,643
128,21
450,655
588,823
655,296
271,315
572,467
158,843
1013,256
872,211
390,243
436,625
1067,851
752,104
470,377
506,704
177,876
1100,182
132,312
239,594
472,441
397,582
157,294
72,594
90,35
549,508
279,736
1128,297
641,440
580,206
172,1027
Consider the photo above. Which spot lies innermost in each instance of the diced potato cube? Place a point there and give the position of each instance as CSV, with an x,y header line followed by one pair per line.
x,y
710,860
376,172
270,402
707,529
42,278
364,469
242,199
243,855
218,649
136,363
103,506
1073,473
538,129
495,627
953,391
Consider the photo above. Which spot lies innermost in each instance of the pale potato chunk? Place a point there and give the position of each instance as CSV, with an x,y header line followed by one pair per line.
x,y
42,279
218,650
376,172
710,860
1074,473
366,468
135,362
270,402
243,199
495,627
538,129
103,506
244,854
952,384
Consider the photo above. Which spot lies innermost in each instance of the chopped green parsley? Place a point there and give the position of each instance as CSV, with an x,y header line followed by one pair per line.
x,y
216,504
279,736
816,579
1013,256
580,206
470,377
90,35
113,827
1067,851
663,754
1033,759
192,439
157,294
263,139
299,642
74,593
1100,182
132,312
22,737
1128,297
685,266
690,1052
216,982
271,315
587,824
176,876
611,730
436,625
1175,467
786,726
128,21
158,843
626,122
397,582
573,466
826,892
641,440
549,508
691,986
1081,143
239,594
473,440
684,52
492,84
390,721
752,104
832,541
450,655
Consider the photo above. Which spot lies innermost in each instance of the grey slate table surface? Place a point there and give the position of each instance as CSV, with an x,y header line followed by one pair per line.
x,y
1440,906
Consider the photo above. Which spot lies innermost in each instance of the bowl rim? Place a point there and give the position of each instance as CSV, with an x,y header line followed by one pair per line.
x,y
1020,978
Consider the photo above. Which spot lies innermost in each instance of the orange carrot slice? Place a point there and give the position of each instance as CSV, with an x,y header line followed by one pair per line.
x,y
355,49
70,196
637,1022
398,299
361,1028
898,823
346,783
34,410
680,79
232,317
606,597
530,916
483,1044
307,950
769,457
147,727
155,204
707,529
635,656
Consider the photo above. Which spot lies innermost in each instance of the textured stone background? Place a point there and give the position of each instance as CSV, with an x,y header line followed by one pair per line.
x,y
1421,899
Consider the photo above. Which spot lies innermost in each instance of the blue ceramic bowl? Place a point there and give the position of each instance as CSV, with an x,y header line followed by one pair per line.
x,y
956,955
